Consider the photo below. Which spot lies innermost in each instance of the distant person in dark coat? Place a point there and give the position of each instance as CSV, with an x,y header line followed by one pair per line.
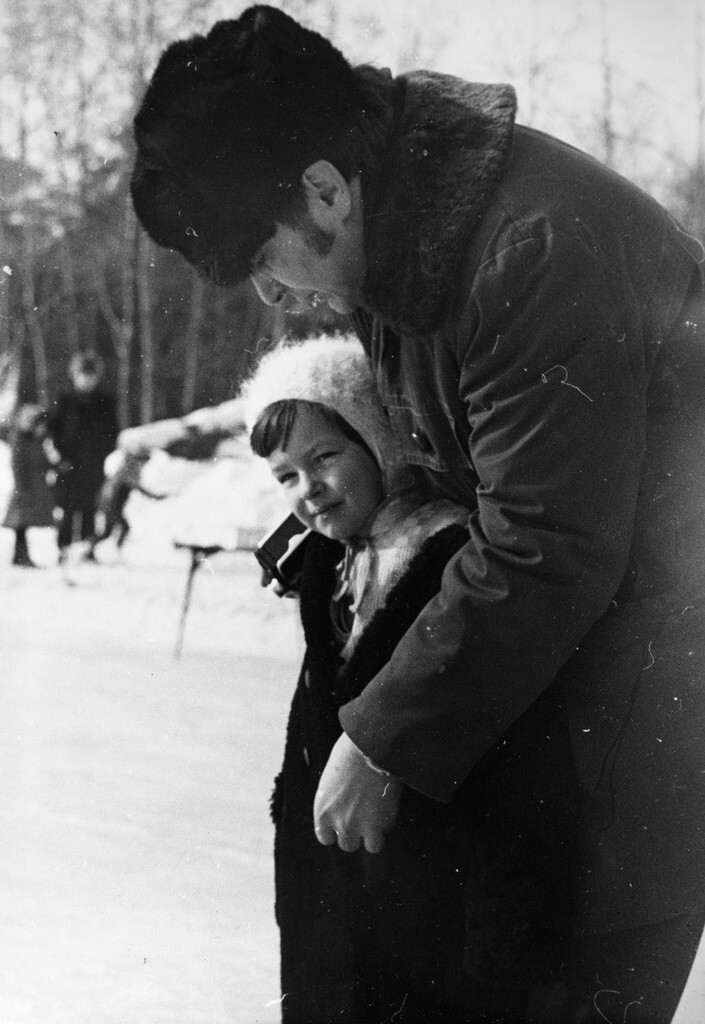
x,y
32,502
83,428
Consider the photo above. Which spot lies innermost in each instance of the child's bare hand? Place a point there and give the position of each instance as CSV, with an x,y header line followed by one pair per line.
x,y
267,580
354,803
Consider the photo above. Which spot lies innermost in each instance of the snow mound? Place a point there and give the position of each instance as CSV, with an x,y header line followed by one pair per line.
x,y
231,504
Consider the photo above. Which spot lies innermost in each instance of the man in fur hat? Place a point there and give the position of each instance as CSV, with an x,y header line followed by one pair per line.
x,y
537,329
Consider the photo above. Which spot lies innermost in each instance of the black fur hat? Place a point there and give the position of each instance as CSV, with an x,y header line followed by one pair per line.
x,y
227,126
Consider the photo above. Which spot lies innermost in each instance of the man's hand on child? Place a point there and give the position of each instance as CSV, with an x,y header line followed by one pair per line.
x,y
355,803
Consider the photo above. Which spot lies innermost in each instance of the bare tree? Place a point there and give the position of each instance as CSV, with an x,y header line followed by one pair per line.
x,y
543,45
5,275
689,203
700,89
67,99
607,114
126,304
21,51
145,328
30,327
69,286
191,342
120,324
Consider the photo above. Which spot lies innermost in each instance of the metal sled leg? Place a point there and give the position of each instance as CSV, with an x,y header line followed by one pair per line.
x,y
199,553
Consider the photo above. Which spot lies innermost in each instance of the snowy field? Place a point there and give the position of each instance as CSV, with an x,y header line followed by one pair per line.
x,y
135,843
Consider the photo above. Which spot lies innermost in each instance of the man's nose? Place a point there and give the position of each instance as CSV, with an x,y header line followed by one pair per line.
x,y
269,290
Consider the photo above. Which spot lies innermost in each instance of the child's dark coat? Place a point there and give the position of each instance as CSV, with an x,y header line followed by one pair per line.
x,y
468,904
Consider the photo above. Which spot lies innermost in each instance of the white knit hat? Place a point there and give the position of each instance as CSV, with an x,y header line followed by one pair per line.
x,y
333,371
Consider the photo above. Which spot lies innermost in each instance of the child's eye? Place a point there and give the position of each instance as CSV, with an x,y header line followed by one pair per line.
x,y
324,456
285,478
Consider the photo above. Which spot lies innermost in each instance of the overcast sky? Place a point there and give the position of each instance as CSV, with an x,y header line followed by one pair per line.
x,y
651,45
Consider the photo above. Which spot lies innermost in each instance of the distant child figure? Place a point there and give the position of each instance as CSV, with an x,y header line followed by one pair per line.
x,y
83,428
32,502
123,476
447,912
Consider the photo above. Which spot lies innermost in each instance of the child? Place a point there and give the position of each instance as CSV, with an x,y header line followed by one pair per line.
x,y
122,477
461,911
32,502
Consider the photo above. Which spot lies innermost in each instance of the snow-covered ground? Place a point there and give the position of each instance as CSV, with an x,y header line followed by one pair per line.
x,y
135,843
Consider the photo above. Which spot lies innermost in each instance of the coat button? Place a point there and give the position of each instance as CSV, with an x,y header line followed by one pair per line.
x,y
307,759
307,679
422,441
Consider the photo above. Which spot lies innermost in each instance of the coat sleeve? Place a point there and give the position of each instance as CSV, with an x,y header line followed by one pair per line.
x,y
109,423
551,376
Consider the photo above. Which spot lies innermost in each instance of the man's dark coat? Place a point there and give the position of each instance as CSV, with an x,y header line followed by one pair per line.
x,y
83,427
540,348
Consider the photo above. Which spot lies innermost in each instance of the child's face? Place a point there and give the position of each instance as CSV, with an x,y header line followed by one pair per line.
x,y
84,381
331,483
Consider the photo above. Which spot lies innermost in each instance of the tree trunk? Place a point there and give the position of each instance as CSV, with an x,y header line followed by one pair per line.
x,y
68,279
5,277
121,336
121,325
145,330
191,346
607,116
127,284
29,314
27,290
699,199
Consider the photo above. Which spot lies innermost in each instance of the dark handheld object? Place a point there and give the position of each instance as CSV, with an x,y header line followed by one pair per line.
x,y
281,551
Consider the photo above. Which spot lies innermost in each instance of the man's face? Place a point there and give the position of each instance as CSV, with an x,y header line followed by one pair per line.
x,y
289,265
320,255
84,380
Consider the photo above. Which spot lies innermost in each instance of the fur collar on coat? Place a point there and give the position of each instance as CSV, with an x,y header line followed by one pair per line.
x,y
333,683
379,558
449,148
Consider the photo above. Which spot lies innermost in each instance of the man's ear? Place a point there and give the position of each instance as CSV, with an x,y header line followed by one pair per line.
x,y
328,193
